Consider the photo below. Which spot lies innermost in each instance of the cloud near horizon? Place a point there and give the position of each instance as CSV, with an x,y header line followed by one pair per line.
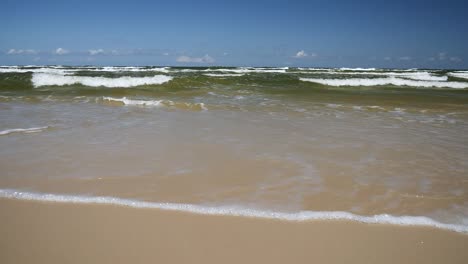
x,y
405,58
95,51
302,54
61,51
205,59
443,56
21,51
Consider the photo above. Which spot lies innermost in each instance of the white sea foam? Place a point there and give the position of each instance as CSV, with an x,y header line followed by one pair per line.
x,y
127,101
420,75
43,79
22,130
315,69
69,70
463,75
250,70
358,69
37,70
224,74
386,81
234,210
131,69
157,103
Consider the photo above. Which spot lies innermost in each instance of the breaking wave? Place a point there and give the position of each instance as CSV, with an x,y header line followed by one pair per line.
x,y
224,75
69,70
420,75
300,216
385,81
250,70
463,75
47,79
358,69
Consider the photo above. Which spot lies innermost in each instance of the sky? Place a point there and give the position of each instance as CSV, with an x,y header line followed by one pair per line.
x,y
313,33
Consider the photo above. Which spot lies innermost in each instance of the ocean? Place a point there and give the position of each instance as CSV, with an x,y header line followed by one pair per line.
x,y
296,144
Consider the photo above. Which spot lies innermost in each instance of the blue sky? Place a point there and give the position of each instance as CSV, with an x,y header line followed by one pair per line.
x,y
398,33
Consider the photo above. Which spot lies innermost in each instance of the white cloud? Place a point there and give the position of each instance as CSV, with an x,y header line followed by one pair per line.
x,y
95,51
388,58
166,53
301,54
187,59
442,56
21,51
406,58
61,51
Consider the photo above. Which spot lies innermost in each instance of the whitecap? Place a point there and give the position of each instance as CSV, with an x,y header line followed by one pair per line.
x,y
358,69
249,70
463,75
37,70
224,74
420,75
44,79
385,81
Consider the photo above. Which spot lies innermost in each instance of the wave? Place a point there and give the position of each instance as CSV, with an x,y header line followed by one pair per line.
x,y
463,75
420,76
22,130
224,74
241,70
70,70
37,70
131,69
157,103
385,81
300,216
358,69
47,79
250,70
315,69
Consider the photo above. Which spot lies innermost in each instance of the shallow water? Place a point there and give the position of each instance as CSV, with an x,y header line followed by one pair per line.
x,y
271,139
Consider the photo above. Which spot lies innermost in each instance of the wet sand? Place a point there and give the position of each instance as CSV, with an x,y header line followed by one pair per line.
x,y
37,232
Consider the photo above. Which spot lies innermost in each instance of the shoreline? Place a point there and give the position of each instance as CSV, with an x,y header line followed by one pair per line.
x,y
45,232
230,211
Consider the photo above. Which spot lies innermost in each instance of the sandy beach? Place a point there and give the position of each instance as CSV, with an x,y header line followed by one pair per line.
x,y
263,132
37,232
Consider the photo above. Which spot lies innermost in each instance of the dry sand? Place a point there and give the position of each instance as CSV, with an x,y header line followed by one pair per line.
x,y
37,232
